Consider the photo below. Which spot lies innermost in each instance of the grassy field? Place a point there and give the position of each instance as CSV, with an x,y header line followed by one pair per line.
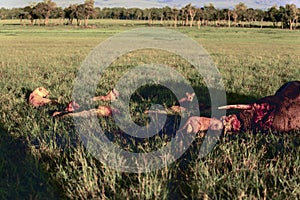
x,y
42,157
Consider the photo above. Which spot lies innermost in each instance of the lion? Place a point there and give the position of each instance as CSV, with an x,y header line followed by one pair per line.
x,y
111,96
197,124
39,97
101,111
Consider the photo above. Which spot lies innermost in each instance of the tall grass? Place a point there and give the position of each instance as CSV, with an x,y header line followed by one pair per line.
x,y
253,63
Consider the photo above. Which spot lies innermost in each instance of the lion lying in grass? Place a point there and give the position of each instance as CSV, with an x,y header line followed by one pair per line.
x,y
101,111
39,97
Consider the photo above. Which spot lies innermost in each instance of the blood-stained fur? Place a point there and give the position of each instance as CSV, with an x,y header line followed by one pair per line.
x,y
72,106
279,112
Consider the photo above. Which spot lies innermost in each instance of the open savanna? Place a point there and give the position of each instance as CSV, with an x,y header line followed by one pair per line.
x,y
42,157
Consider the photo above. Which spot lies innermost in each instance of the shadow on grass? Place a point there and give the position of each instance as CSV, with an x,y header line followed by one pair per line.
x,y
21,175
147,95
179,186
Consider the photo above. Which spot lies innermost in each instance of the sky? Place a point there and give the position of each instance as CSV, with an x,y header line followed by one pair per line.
x,y
151,3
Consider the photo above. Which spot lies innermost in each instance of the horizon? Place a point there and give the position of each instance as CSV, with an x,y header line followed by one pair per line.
x,y
151,3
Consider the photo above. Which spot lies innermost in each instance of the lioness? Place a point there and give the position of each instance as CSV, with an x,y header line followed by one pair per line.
x,y
196,124
111,96
39,97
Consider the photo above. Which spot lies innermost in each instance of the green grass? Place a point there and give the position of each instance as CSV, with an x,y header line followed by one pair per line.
x,y
43,157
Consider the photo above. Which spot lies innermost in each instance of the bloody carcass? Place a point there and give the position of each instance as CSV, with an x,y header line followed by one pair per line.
x,y
279,112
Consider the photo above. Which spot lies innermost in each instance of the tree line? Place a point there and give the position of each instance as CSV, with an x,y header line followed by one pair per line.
x,y
39,13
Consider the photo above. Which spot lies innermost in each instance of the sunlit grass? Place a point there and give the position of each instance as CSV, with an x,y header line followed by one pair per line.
x,y
252,62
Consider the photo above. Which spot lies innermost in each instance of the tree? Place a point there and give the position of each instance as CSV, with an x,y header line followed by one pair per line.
x,y
175,13
167,12
210,13
133,13
123,13
219,15
32,14
250,15
138,13
235,17
70,12
156,14
80,14
58,13
291,14
259,16
241,11
3,12
288,15
85,11
283,17
181,16
273,15
147,13
199,17
106,13
228,14
116,12
185,13
43,10
13,13
192,13
89,10
298,18
98,13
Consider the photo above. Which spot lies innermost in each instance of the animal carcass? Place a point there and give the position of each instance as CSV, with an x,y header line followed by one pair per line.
x,y
279,112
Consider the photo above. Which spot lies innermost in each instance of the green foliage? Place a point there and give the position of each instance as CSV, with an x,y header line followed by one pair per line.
x,y
288,15
43,157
